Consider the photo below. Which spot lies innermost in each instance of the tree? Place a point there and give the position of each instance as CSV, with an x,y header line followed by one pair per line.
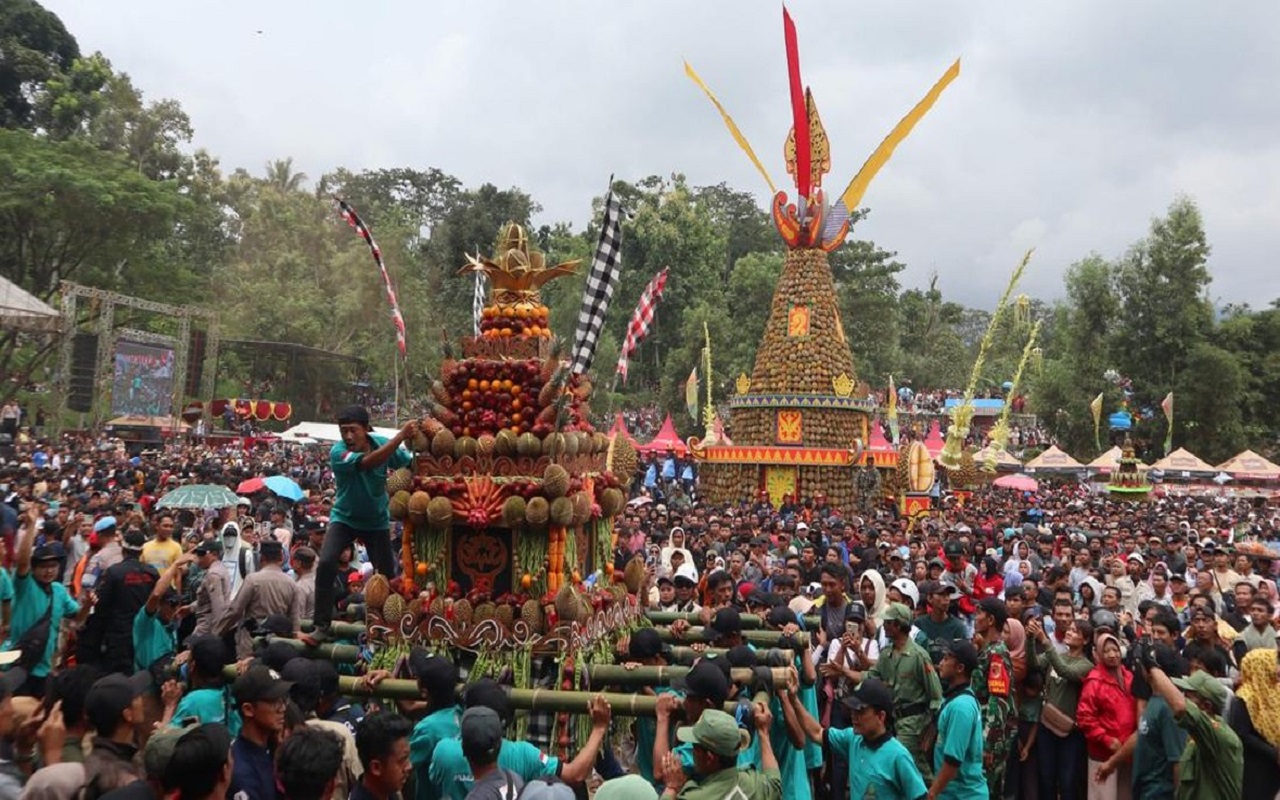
x,y
745,226
282,176
34,47
866,278
1209,392
933,354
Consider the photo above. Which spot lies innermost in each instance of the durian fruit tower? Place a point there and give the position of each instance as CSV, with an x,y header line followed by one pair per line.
x,y
799,422
510,503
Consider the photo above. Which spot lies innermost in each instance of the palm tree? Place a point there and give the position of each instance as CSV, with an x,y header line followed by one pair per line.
x,y
280,174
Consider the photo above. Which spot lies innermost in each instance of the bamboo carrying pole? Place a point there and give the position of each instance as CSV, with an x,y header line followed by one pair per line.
x,y
757,638
749,621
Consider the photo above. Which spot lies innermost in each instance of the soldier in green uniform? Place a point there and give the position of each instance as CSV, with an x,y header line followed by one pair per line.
x,y
717,740
907,670
993,687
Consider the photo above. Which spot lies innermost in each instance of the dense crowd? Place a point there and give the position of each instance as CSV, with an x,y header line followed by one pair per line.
x,y
1055,645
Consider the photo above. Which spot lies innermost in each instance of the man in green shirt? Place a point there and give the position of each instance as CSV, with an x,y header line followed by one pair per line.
x,y
437,679
938,626
957,755
1212,763
716,740
906,668
992,683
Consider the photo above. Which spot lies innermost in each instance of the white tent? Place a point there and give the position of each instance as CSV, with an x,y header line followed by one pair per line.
x,y
24,311
327,432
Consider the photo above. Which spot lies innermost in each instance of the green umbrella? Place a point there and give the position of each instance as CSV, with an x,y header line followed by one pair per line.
x,y
199,495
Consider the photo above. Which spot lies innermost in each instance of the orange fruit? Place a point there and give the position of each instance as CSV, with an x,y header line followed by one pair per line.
x,y
515,390
506,331
473,384
484,386
421,569
526,581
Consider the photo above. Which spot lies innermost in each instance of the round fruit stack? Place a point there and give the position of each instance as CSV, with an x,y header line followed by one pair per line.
x,y
522,319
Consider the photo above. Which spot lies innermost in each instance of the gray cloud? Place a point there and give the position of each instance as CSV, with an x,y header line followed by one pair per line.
x,y
1071,125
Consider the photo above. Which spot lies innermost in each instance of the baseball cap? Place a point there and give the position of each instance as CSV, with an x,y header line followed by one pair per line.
x,y
260,683
48,552
434,672
208,546
871,692
111,695
897,612
133,540
645,643
715,731
687,573
937,562
706,680
276,625
276,654
855,611
1136,557
801,527
355,415
627,787
244,501
1178,576
482,733
996,608
104,523
159,749
1205,685
781,615
908,590
354,577
953,549
725,622
936,587
963,651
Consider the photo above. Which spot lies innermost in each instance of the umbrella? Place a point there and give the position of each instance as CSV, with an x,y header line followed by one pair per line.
x,y
284,487
1023,483
250,486
199,495
640,501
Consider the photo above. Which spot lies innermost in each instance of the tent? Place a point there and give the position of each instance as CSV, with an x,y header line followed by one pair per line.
x,y
1249,466
1110,460
21,310
667,439
1004,460
1183,463
311,432
1053,459
620,427
933,441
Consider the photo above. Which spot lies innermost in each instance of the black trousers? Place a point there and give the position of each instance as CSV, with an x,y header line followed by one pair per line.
x,y
338,538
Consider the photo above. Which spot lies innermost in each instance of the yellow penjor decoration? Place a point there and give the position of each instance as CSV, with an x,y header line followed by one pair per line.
x,y
1000,431
962,414
709,410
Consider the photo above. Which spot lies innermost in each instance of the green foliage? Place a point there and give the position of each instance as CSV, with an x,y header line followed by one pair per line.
x,y
34,47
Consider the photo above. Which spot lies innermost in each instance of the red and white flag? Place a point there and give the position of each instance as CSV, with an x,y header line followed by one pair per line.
x,y
638,328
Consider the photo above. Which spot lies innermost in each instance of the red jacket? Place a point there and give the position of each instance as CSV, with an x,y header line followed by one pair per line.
x,y
987,587
1107,710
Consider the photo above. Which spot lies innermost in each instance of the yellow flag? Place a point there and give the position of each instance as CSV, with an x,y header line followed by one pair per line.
x,y
1096,408
732,126
691,394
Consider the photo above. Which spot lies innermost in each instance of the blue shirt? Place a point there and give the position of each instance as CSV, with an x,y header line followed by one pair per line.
x,y
960,743
152,640
208,705
432,729
254,771
881,770
451,774
30,602
360,498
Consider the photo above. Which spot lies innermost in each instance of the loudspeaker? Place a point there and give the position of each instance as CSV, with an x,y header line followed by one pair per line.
x,y
195,363
84,363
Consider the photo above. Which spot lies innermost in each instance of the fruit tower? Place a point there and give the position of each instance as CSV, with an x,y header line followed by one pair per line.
x,y
799,421
508,510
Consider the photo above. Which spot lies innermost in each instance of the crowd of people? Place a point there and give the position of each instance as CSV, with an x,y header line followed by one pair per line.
x,y
1055,645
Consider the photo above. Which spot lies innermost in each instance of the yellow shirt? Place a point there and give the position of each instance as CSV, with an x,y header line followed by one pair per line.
x,y
161,554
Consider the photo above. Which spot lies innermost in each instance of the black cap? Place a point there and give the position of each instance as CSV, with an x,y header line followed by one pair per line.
x,y
260,682
936,587
963,651
111,695
488,693
645,643
725,622
665,579
327,674
871,692
305,691
133,540
206,546
209,654
276,654
435,673
996,608
358,415
48,552
482,733
276,625
953,549
706,680
1203,611
781,615
855,611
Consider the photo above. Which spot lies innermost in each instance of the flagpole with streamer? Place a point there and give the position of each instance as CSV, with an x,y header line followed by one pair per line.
x,y
709,412
1166,406
1000,431
893,412
1095,408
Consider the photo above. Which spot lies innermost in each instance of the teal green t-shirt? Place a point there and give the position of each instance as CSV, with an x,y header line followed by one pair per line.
x,y
1160,745
791,761
452,775
885,771
809,699
960,741
152,640
6,586
431,730
360,497
646,733
30,602
208,705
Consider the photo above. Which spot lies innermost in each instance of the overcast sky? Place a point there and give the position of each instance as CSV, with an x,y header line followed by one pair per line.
x,y
1071,124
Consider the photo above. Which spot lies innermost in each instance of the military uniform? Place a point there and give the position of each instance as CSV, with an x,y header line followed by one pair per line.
x,y
993,687
750,783
917,696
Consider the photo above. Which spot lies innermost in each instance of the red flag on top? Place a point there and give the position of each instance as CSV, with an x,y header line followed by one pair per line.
x,y
638,328
397,319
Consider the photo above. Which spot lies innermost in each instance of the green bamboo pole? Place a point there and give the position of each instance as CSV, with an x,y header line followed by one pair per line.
x,y
757,638
749,621
613,675
342,630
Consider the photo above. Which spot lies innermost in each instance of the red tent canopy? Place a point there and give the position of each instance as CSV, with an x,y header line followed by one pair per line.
x,y
620,427
878,443
665,440
933,441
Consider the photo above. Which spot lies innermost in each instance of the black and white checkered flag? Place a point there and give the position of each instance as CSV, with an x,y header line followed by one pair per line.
x,y
606,266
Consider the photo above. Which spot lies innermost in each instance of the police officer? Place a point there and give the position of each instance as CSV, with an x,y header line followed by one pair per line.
x,y
907,670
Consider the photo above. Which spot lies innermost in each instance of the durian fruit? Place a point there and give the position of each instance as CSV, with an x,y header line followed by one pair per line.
x,y
572,444
443,443
419,503
485,444
619,592
513,511
554,445
599,442
465,447
504,444
483,612
421,442
528,445
611,502
505,615
414,609
537,511
581,508
399,480
531,613
376,591
393,610
440,393
437,606
568,604
399,505
555,481
439,512
430,426
561,511
622,459
462,612
634,575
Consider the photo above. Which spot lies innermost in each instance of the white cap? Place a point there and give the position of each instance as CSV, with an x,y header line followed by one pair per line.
x,y
688,572
908,589
1136,557
801,526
